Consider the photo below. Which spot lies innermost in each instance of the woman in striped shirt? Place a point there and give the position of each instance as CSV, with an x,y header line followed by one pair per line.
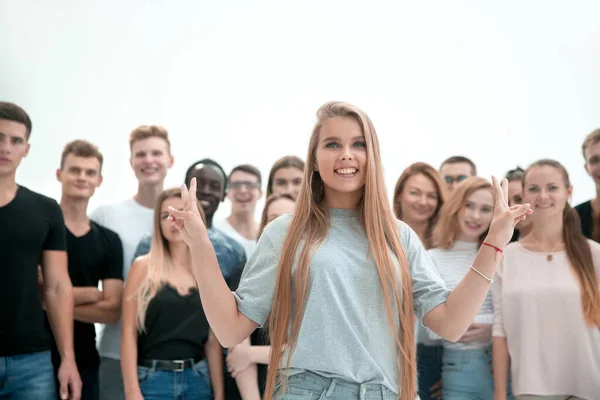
x,y
463,224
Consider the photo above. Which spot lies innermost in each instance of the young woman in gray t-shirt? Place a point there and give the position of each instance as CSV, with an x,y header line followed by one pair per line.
x,y
340,281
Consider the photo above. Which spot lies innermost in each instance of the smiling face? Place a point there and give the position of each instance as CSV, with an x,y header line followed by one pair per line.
x,y
547,192
454,173
13,145
150,160
210,187
244,191
475,217
79,176
341,160
419,199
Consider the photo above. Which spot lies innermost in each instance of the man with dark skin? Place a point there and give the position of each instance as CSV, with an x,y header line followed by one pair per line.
x,y
211,191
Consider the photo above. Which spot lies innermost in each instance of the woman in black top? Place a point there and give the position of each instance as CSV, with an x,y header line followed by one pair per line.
x,y
167,349
589,211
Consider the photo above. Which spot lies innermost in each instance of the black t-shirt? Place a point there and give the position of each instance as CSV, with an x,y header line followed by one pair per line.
x,y
93,257
30,224
260,337
176,327
586,214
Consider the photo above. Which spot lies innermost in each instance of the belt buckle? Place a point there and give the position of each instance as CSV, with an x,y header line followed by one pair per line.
x,y
179,362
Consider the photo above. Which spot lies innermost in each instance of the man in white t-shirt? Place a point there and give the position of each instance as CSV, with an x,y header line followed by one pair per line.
x,y
243,192
131,219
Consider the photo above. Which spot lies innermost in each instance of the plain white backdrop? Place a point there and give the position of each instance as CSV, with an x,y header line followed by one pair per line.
x,y
502,83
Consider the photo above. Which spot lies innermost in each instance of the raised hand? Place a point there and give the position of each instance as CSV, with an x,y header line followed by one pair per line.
x,y
505,218
188,221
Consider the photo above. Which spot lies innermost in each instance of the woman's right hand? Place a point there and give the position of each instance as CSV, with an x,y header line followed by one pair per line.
x,y
188,221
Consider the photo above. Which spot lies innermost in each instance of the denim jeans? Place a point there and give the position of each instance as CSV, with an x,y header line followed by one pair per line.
x,y
308,385
429,368
27,377
467,374
189,384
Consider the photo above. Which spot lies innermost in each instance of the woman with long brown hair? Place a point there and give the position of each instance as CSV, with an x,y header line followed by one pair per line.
x,y
341,280
286,176
547,300
418,198
167,349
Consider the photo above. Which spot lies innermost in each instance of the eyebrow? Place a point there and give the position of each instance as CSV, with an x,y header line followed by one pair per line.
x,y
332,138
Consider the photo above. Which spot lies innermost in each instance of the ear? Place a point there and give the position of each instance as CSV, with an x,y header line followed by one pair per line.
x,y
27,149
58,175
171,161
570,192
131,162
587,169
100,180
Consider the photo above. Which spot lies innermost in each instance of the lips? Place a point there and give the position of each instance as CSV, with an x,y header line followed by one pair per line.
x,y
473,226
205,203
543,206
346,172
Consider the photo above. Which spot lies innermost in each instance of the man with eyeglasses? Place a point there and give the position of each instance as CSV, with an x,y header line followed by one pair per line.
x,y
456,169
244,192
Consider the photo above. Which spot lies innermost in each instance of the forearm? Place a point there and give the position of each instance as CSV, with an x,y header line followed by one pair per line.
x,y
214,359
247,383
86,295
501,361
129,361
104,311
463,304
217,300
260,354
59,307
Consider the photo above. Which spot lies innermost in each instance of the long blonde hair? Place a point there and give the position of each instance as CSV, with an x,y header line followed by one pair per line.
x,y
310,224
160,265
447,229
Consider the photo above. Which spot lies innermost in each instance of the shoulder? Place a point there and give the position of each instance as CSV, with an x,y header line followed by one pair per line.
x,y
594,247
408,236
36,198
108,236
584,206
276,231
138,270
108,208
219,238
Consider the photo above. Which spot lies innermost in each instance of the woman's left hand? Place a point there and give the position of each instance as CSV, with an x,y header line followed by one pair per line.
x,y
505,218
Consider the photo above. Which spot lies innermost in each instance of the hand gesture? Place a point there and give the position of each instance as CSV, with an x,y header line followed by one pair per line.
x,y
238,359
477,333
188,221
505,218
69,380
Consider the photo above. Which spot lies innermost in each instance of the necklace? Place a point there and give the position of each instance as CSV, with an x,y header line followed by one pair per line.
x,y
549,257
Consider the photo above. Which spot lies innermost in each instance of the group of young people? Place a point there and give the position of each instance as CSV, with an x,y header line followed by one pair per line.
x,y
462,288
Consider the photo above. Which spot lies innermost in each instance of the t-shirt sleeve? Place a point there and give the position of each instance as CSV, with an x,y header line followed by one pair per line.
x,y
429,289
256,289
114,257
498,325
143,247
56,239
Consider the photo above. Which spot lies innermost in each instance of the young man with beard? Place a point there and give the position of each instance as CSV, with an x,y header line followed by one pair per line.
x,y
32,233
244,191
94,254
131,219
212,190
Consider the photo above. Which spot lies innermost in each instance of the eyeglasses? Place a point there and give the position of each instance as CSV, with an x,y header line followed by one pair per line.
x,y
237,185
451,179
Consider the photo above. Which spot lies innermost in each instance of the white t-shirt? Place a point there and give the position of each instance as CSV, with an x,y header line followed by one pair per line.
x,y
248,244
131,221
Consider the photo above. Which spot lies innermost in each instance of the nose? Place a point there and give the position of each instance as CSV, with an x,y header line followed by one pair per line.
x,y
203,188
346,154
423,200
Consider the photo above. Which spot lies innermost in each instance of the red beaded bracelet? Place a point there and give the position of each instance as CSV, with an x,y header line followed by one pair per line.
x,y
498,249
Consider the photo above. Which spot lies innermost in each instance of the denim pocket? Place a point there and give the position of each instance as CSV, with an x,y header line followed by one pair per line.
x,y
452,364
200,369
144,373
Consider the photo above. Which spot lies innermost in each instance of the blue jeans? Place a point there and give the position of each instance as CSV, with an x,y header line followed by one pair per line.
x,y
429,368
189,384
309,385
467,374
27,377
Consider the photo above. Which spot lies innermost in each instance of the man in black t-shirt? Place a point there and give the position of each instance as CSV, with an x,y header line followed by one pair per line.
x,y
95,254
32,233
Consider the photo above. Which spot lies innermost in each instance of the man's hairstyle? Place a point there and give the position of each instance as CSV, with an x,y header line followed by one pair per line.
x,y
592,138
516,174
250,169
207,161
147,131
460,159
12,112
81,148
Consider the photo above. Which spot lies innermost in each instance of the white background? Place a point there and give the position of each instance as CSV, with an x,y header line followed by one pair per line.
x,y
503,83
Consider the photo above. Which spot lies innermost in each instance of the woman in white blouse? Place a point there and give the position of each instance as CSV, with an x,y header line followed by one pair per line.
x,y
464,221
546,299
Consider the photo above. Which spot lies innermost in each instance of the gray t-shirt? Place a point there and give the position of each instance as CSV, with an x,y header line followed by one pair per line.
x,y
345,331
